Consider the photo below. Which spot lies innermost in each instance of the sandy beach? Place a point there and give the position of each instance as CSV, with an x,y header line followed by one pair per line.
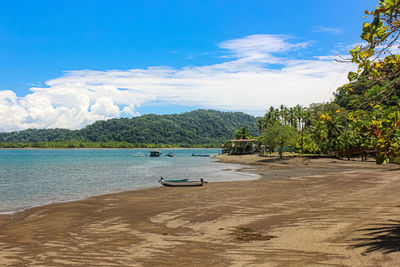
x,y
302,212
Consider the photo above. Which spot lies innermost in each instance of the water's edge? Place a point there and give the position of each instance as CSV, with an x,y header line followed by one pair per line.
x,y
225,171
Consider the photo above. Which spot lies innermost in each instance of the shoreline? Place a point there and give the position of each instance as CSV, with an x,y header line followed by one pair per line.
x,y
248,165
86,197
316,219
105,148
297,166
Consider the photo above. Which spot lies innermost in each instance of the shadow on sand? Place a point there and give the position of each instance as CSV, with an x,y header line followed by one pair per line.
x,y
273,159
284,159
383,237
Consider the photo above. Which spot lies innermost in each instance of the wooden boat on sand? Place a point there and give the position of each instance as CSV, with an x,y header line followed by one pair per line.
x,y
173,180
182,183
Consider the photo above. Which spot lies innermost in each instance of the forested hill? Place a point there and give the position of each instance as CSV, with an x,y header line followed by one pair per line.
x,y
191,128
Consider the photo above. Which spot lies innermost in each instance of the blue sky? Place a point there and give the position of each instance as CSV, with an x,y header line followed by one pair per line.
x,y
69,63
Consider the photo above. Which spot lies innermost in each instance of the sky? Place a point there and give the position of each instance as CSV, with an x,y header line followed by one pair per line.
x,y
66,64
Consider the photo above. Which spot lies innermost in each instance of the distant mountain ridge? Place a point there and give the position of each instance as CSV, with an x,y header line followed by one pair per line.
x,y
190,128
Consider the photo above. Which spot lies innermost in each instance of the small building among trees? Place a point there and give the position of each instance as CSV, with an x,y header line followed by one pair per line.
x,y
240,146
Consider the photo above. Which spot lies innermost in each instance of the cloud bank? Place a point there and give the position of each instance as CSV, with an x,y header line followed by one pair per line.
x,y
256,72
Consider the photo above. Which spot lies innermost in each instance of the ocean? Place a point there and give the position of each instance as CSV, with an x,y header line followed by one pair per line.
x,y
36,177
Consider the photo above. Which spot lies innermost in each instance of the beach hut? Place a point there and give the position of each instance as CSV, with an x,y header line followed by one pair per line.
x,y
241,146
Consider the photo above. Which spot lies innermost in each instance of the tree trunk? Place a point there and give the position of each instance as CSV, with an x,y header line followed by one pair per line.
x,y
281,152
302,142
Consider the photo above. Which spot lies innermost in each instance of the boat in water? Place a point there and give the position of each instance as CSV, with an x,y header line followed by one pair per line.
x,y
200,155
170,155
155,153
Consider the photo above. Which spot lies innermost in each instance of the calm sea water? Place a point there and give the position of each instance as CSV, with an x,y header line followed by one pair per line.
x,y
37,177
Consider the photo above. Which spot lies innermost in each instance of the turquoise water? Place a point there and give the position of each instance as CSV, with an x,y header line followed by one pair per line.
x,y
30,178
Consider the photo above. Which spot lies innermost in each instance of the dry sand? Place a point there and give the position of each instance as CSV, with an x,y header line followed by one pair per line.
x,y
330,212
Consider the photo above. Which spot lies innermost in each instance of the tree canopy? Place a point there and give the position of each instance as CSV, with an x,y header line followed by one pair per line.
x,y
364,118
374,91
199,127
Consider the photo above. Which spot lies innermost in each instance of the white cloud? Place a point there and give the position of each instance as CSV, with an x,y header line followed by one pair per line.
x,y
260,47
261,44
327,29
245,81
103,107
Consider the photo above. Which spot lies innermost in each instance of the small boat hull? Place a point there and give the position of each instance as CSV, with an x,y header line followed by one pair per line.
x,y
200,155
155,153
176,180
182,184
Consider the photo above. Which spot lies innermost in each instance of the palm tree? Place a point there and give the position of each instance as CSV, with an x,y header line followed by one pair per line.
x,y
305,122
319,132
242,133
284,113
306,118
261,125
276,114
335,129
292,118
270,116
271,110
298,112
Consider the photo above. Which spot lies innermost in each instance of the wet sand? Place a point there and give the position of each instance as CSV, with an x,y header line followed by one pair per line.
x,y
304,212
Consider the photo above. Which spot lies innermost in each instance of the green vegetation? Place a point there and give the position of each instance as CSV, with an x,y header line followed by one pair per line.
x,y
316,129
374,105
242,133
199,128
239,148
278,128
364,118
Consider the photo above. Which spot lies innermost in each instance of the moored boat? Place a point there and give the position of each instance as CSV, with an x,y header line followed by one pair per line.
x,y
183,184
200,155
155,153
173,180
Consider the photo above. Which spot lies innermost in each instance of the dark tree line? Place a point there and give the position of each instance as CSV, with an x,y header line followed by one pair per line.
x,y
193,128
